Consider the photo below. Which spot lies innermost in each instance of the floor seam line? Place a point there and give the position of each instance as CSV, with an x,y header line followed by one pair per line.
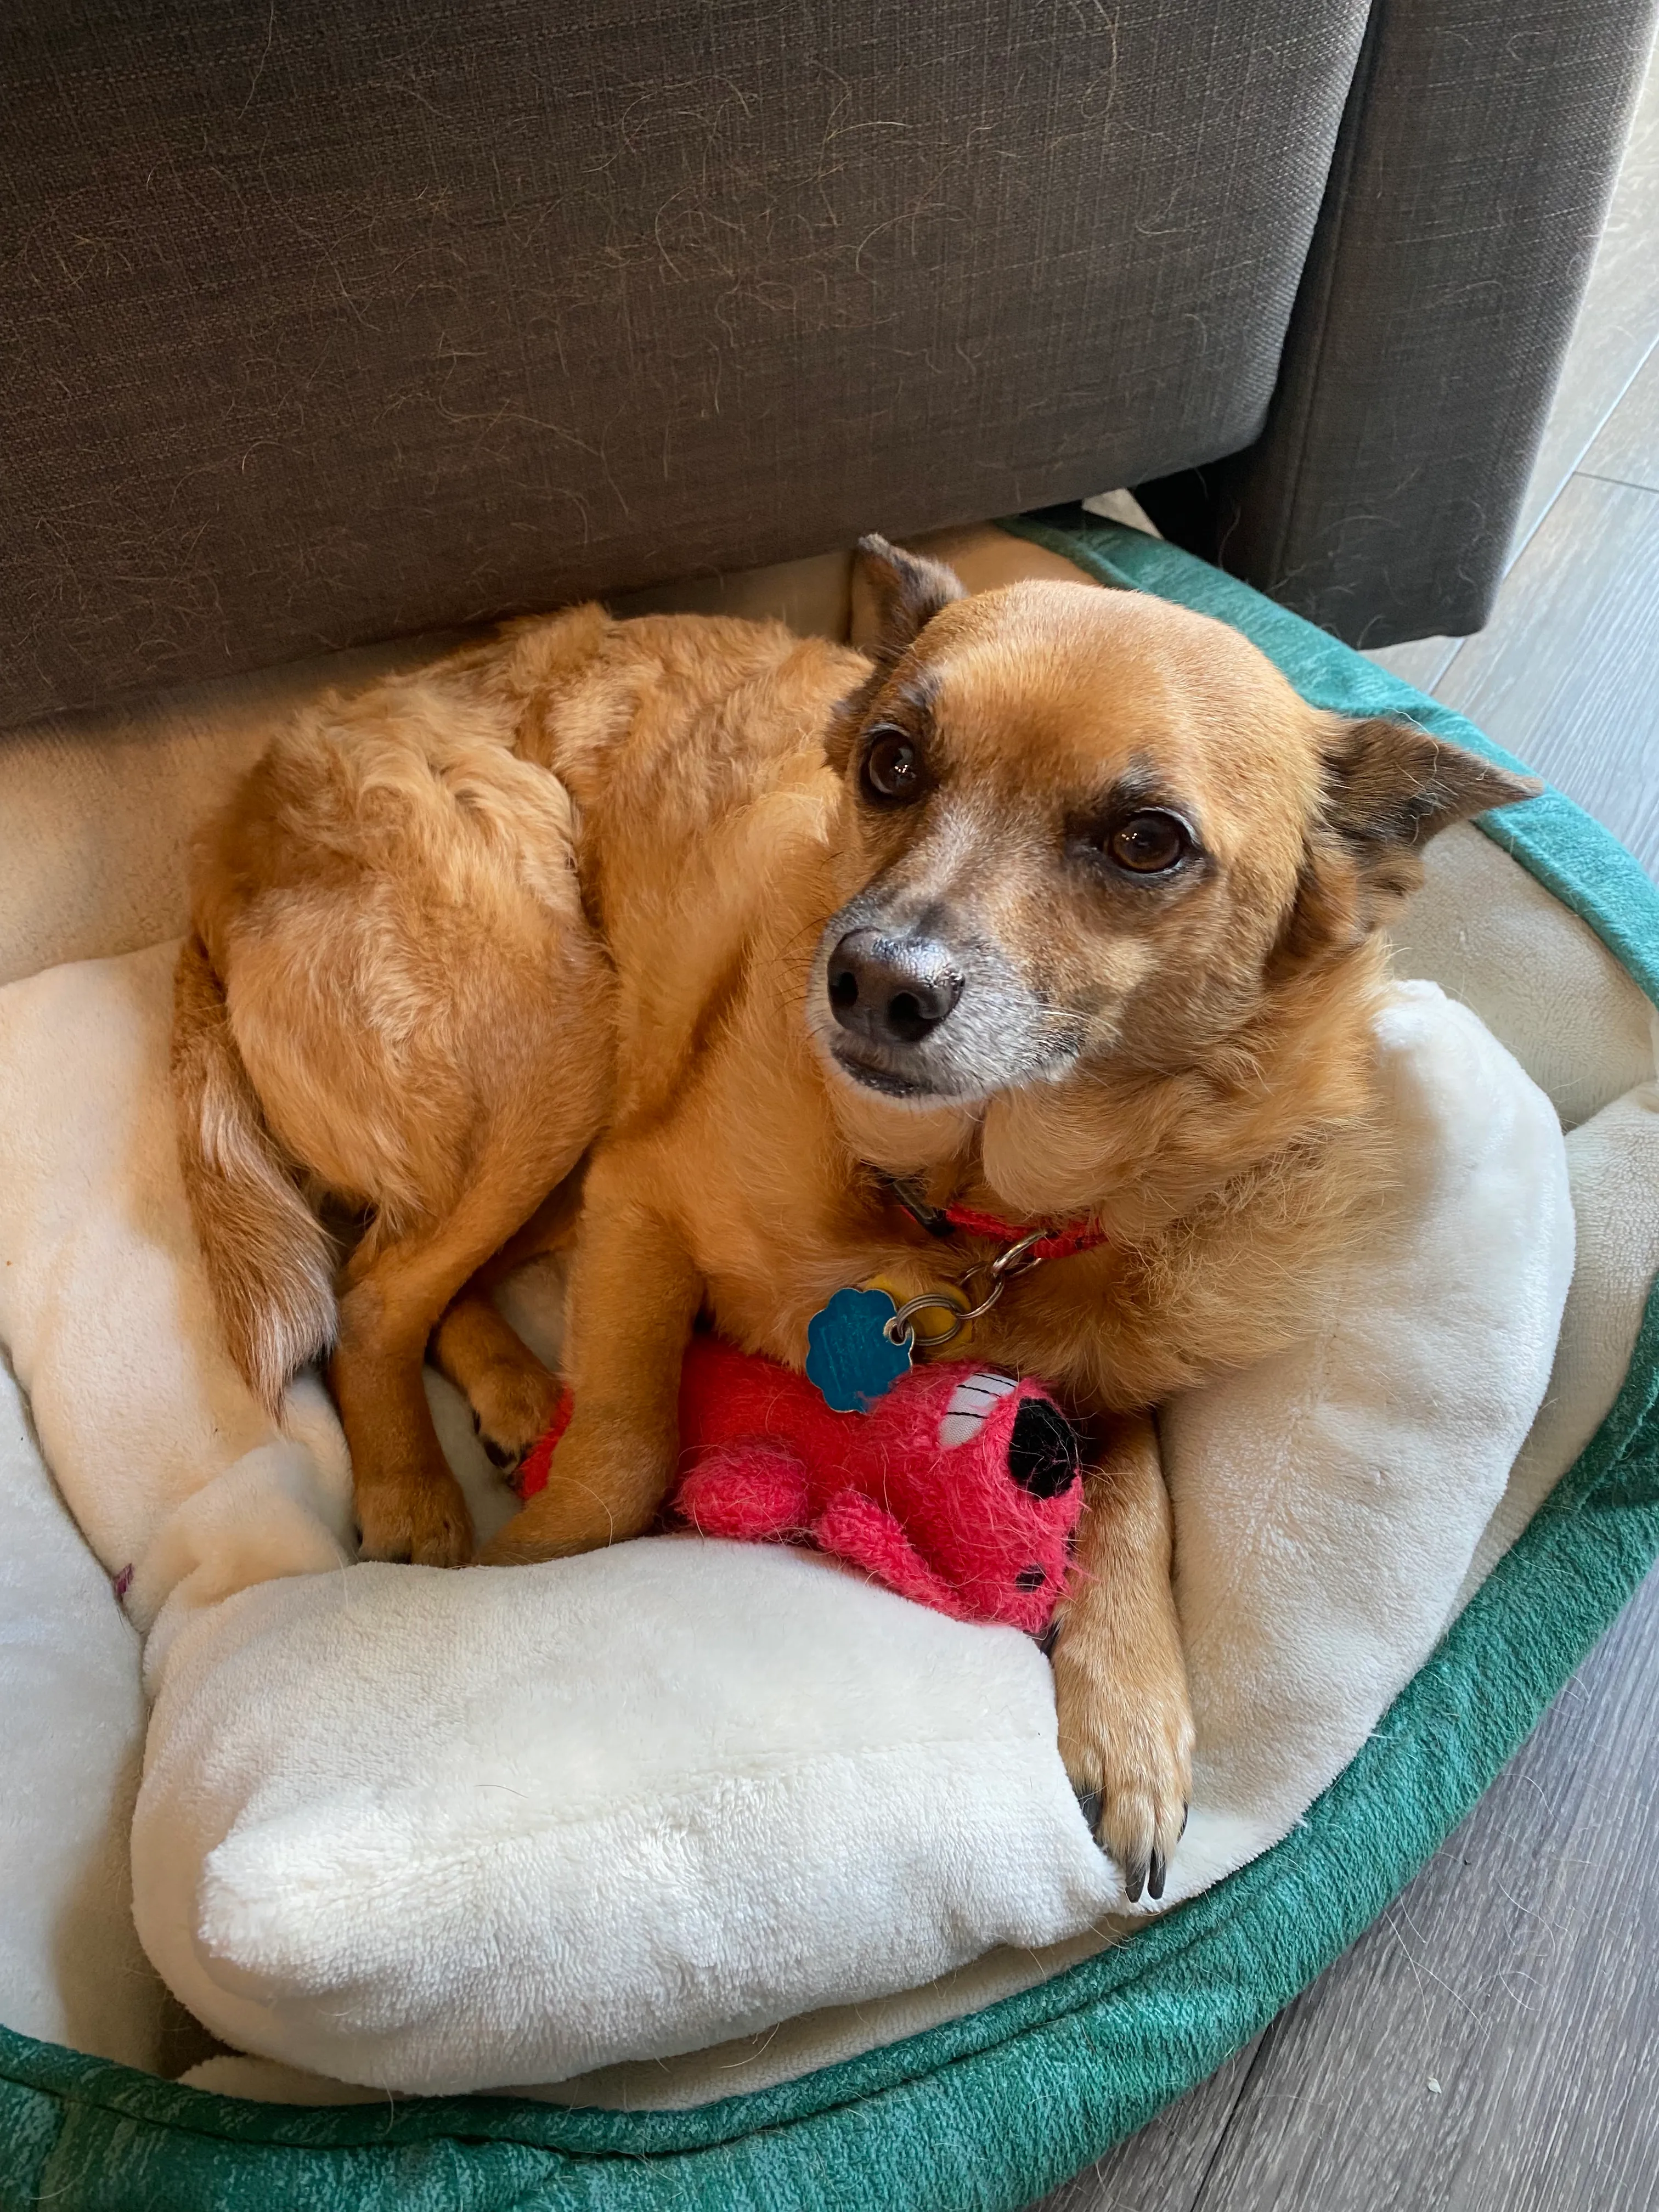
x,y
1573,468
1595,475
1224,2133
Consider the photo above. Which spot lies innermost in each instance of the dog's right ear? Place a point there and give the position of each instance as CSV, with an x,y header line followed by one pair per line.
x,y
1389,786
895,595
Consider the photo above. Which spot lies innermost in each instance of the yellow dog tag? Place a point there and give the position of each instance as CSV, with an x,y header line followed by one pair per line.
x,y
940,1318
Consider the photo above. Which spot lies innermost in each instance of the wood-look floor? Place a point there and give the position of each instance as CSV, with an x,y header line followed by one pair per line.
x,y
1492,2044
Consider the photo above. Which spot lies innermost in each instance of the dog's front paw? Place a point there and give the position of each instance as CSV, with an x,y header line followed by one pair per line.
x,y
514,1403
425,1522
1126,1738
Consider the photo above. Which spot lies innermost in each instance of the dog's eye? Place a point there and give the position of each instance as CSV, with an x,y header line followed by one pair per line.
x,y
892,768
1149,842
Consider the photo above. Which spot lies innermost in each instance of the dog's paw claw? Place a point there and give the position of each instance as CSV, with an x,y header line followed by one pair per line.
x,y
1128,1752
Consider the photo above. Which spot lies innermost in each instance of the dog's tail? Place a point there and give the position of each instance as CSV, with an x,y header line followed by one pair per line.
x,y
270,1261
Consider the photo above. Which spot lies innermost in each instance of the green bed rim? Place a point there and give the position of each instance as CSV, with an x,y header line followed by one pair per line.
x,y
990,2110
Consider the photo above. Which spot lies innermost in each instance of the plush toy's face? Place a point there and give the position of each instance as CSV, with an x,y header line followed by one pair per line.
x,y
1041,1444
959,1488
994,1506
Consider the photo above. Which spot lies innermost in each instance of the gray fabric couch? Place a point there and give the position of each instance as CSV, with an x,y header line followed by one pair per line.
x,y
324,324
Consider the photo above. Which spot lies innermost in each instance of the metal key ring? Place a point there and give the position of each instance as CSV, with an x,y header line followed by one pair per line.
x,y
1017,1259
898,1328
1014,1260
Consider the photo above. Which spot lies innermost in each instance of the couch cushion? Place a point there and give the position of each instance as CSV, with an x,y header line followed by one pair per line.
x,y
334,325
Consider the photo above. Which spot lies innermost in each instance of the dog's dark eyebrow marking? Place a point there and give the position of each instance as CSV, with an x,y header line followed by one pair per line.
x,y
1140,785
919,693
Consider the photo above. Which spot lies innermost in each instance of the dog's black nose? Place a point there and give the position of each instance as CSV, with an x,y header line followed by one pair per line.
x,y
892,990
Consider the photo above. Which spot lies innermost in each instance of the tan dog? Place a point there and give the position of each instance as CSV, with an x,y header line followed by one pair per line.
x,y
1061,904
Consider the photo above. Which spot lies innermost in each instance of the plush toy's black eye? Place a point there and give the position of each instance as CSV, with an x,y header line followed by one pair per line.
x,y
1043,1450
1030,1578
892,768
1150,842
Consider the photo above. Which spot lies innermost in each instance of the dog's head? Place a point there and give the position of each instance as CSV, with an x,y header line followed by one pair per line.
x,y
1086,827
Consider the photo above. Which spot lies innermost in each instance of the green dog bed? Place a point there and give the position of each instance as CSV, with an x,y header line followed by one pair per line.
x,y
991,2109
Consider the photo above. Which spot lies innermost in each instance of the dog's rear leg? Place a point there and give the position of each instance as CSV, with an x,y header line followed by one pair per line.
x,y
410,1506
511,1394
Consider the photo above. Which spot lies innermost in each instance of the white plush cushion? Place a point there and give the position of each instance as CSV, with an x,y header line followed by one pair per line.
x,y
1540,979
1328,1501
1613,1169
71,1714
434,1832
180,1481
344,1762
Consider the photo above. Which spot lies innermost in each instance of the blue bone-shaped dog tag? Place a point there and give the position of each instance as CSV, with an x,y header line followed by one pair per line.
x,y
848,1356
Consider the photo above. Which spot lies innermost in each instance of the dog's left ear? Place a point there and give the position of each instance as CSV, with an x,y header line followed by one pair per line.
x,y
895,595
1389,788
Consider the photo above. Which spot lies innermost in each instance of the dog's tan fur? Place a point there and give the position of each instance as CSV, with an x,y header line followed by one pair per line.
x,y
552,917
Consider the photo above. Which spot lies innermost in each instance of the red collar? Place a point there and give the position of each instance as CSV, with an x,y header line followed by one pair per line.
x,y
941,1220
1057,1244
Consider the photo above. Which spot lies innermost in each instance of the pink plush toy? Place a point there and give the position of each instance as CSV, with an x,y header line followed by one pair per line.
x,y
959,1488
